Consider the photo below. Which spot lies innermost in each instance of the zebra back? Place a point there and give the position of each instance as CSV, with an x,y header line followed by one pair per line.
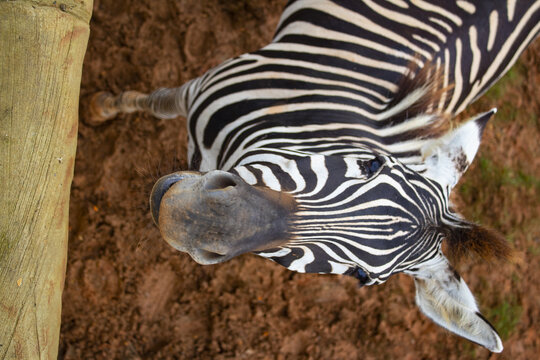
x,y
335,69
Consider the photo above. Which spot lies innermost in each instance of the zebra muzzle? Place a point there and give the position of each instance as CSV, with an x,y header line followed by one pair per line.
x,y
215,216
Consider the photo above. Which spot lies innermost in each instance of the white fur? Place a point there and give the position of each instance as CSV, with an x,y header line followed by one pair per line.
x,y
444,157
449,303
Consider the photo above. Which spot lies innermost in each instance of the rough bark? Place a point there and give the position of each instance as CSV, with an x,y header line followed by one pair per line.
x,y
42,46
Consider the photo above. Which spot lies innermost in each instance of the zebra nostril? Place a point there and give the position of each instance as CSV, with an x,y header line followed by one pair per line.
x,y
207,257
220,182
159,189
210,255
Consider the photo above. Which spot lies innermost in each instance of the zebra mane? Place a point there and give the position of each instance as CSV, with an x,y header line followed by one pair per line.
x,y
469,240
420,92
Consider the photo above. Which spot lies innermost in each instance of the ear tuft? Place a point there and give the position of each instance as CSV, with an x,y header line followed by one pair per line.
x,y
482,120
474,240
448,157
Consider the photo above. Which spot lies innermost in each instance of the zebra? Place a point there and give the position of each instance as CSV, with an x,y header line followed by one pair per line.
x,y
329,150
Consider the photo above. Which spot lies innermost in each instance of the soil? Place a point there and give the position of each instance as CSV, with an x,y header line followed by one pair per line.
x,y
128,295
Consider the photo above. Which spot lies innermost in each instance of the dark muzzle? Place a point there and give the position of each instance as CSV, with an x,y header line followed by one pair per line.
x,y
216,215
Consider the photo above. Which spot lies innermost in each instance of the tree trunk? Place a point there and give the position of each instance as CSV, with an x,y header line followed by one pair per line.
x,y
42,46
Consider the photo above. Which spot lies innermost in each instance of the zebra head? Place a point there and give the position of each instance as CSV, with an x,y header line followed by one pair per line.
x,y
321,213
367,215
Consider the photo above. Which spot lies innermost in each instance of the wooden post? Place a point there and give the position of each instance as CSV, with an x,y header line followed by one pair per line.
x,y
42,46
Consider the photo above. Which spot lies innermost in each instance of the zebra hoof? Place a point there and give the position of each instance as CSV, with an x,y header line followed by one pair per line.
x,y
101,108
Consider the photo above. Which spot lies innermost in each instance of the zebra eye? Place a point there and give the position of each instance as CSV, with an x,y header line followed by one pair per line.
x,y
362,276
373,165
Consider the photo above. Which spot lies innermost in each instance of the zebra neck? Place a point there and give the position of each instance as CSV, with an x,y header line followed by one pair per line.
x,y
350,141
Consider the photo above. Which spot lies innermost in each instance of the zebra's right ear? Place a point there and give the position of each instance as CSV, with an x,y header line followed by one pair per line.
x,y
449,156
443,296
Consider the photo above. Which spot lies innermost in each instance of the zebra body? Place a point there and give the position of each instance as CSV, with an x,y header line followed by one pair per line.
x,y
335,129
314,95
334,66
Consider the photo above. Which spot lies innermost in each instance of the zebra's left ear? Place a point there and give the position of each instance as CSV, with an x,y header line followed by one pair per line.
x,y
449,156
443,296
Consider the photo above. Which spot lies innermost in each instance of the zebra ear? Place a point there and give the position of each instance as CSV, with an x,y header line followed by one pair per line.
x,y
449,156
443,296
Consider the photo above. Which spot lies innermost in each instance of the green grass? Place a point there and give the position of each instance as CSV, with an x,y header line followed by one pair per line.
x,y
505,317
493,176
534,250
503,93
496,175
515,76
469,350
488,177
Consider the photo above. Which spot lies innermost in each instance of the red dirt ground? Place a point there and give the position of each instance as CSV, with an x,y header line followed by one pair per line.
x,y
128,295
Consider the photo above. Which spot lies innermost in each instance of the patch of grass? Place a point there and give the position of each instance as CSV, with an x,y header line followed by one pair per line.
x,y
533,118
488,178
494,175
469,350
515,76
469,191
505,317
534,250
502,95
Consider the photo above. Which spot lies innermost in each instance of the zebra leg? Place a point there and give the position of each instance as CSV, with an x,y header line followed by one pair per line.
x,y
163,103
